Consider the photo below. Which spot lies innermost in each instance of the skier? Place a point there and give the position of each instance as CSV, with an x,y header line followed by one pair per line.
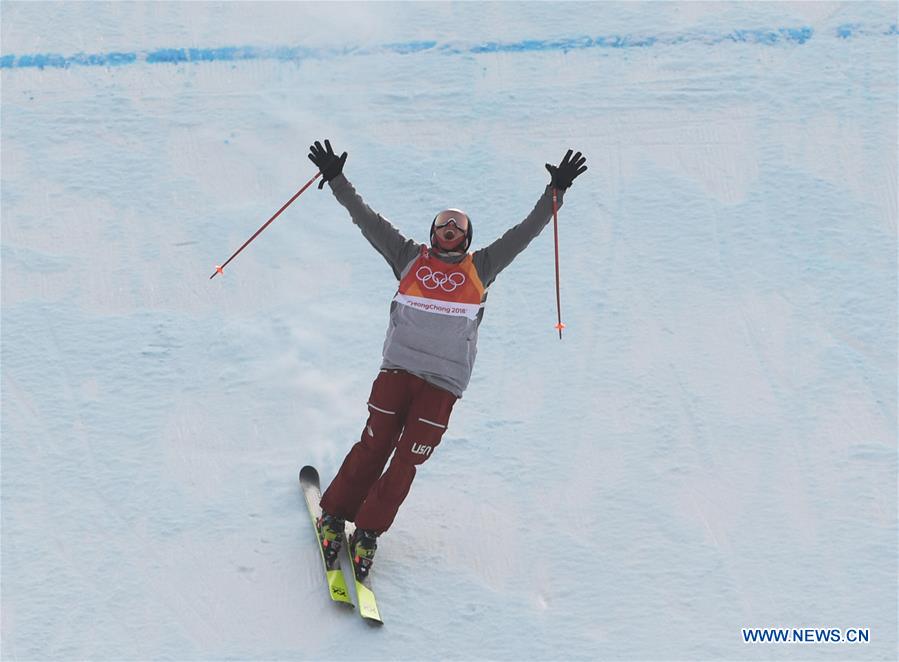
x,y
428,353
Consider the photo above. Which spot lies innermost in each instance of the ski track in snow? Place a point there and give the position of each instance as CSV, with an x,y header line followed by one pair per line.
x,y
711,446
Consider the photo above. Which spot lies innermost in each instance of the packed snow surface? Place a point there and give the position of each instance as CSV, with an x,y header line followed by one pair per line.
x,y
710,447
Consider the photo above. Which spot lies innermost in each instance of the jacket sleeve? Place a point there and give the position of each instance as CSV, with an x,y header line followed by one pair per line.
x,y
490,261
387,240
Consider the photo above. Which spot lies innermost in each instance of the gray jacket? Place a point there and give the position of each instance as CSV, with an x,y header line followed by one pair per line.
x,y
440,348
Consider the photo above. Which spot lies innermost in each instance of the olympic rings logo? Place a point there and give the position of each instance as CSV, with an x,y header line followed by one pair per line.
x,y
434,279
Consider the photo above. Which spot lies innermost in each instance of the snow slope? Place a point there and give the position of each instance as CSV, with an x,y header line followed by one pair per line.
x,y
712,445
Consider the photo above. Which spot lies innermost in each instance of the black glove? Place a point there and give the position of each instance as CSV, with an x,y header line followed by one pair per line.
x,y
327,162
564,173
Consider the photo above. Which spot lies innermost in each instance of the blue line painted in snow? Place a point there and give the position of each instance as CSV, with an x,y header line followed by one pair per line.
x,y
761,36
226,54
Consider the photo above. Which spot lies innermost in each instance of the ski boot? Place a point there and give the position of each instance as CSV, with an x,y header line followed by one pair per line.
x,y
363,544
330,535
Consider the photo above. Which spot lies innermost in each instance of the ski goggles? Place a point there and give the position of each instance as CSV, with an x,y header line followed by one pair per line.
x,y
454,216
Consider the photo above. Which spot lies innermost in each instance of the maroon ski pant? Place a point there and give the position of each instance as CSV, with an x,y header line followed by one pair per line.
x,y
407,415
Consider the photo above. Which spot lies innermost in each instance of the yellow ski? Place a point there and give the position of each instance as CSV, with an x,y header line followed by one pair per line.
x,y
368,606
311,486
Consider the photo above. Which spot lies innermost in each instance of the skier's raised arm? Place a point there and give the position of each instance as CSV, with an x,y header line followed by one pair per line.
x,y
490,261
381,234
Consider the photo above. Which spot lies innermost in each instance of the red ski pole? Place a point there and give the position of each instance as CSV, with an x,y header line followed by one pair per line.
x,y
559,326
221,269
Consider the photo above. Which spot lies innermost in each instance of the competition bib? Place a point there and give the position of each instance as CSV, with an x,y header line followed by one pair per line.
x,y
434,286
